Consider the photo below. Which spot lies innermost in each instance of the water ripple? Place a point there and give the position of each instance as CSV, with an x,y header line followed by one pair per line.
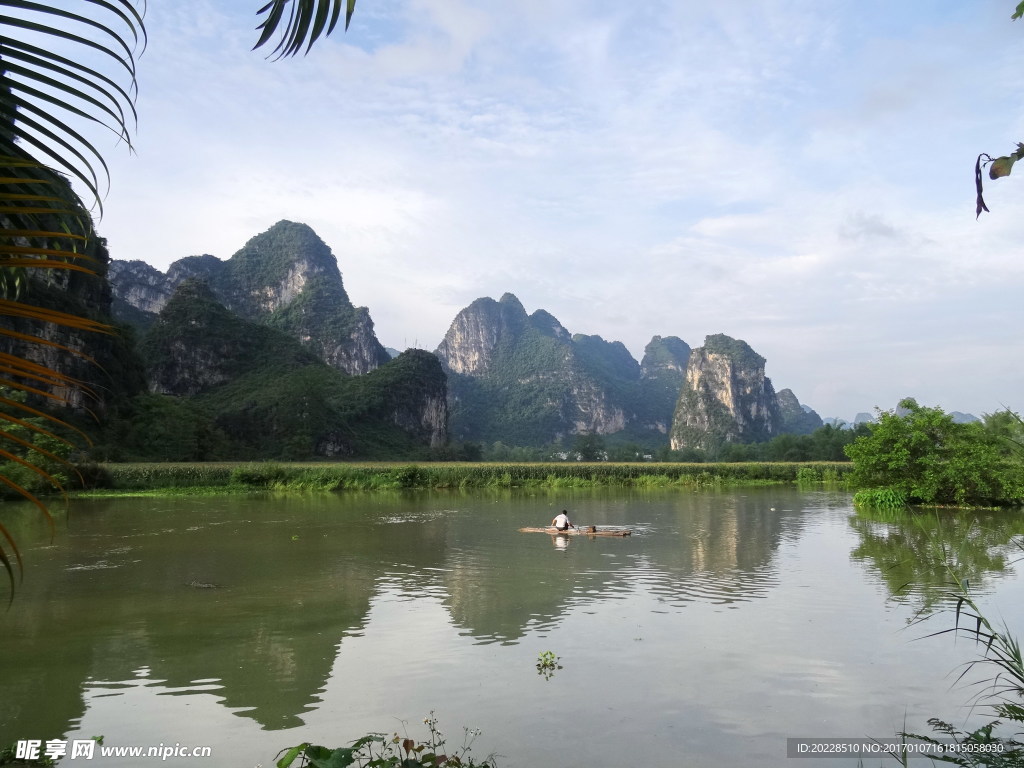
x,y
678,589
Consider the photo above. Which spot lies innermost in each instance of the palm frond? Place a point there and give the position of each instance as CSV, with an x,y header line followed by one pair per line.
x,y
307,21
43,93
43,227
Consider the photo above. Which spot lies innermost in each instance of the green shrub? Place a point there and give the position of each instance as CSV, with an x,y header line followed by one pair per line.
x,y
806,476
880,498
929,459
830,476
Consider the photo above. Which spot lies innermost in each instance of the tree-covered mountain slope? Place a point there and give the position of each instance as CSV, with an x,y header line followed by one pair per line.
x,y
223,387
523,379
286,278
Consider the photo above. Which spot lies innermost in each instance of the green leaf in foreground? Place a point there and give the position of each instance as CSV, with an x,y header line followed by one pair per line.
x,y
1001,166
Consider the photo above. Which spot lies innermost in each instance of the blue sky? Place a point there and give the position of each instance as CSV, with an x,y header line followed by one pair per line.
x,y
795,173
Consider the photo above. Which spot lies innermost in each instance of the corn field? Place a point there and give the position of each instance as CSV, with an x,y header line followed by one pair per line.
x,y
385,476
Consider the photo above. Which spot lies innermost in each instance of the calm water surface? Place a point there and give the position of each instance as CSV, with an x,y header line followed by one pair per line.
x,y
728,622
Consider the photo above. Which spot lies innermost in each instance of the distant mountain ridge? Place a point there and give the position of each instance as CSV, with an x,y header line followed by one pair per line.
x,y
524,379
286,278
863,417
511,376
264,356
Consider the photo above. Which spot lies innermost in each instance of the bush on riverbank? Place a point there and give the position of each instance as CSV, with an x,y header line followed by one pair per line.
x,y
922,456
360,476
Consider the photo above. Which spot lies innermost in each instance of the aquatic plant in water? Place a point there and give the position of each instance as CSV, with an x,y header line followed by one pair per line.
x,y
377,750
547,664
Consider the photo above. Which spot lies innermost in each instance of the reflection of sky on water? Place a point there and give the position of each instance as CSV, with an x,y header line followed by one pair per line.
x,y
722,627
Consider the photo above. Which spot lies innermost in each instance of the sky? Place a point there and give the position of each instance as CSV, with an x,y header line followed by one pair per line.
x,y
794,173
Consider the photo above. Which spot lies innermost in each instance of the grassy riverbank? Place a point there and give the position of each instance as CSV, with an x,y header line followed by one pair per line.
x,y
228,476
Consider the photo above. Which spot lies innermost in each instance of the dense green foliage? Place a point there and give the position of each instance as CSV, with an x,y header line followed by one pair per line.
x,y
736,350
827,443
277,412
824,444
223,344
605,360
439,475
928,459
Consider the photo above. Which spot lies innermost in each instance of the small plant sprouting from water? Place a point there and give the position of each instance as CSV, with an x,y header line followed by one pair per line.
x,y
376,750
547,664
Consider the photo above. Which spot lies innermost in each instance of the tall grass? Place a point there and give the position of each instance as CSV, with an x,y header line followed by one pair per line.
x,y
990,745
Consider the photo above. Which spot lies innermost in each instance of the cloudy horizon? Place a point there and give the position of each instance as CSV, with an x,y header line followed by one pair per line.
x,y
795,174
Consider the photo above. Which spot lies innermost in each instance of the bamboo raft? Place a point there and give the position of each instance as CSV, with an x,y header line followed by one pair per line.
x,y
580,530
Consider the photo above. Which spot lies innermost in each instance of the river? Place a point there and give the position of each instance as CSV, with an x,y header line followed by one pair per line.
x,y
727,623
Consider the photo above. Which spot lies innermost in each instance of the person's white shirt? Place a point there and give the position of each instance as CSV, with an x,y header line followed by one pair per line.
x,y
561,520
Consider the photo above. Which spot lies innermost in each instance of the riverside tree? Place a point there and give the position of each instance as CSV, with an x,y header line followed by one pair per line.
x,y
924,457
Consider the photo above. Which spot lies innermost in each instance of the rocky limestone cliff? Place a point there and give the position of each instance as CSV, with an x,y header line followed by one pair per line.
x,y
665,356
662,373
518,378
726,397
424,413
285,277
140,286
796,419
524,380
104,364
469,346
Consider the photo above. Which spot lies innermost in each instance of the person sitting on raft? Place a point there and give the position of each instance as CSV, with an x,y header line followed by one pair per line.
x,y
561,521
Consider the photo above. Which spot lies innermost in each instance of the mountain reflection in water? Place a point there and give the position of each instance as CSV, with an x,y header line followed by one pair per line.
x,y
292,611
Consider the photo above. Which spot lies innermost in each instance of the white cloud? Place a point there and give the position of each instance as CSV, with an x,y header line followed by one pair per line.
x,y
791,173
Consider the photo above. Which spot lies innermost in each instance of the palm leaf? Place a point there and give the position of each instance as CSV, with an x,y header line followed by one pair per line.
x,y
43,227
307,21
15,405
39,87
